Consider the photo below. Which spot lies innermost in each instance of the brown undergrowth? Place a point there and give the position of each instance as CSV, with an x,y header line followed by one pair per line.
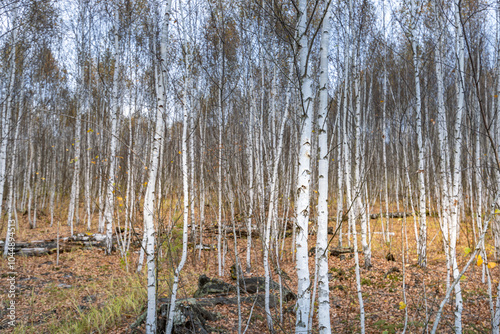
x,y
89,292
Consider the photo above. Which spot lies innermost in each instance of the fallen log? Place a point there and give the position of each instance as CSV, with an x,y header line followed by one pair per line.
x,y
391,215
252,285
33,251
66,244
191,314
212,286
339,251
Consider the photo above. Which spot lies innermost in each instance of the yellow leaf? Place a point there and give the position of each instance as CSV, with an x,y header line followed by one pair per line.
x,y
492,265
90,130
467,250
402,305
479,260
180,152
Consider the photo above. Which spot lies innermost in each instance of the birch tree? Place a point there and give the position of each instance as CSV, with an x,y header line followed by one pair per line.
x,y
456,168
323,165
185,176
443,143
302,210
6,114
110,185
422,234
150,196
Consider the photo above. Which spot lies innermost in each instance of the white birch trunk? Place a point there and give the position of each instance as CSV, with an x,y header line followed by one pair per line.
x,y
272,215
443,148
185,186
219,190
496,225
75,185
150,196
340,175
422,235
456,170
202,181
8,111
345,147
88,179
250,158
384,134
358,184
302,209
323,164
10,175
110,186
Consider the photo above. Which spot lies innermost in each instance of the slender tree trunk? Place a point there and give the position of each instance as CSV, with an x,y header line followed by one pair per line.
x,y
219,191
150,196
88,179
443,146
302,210
384,132
10,175
422,238
323,165
340,173
202,128
110,186
456,170
250,159
185,183
8,111
358,184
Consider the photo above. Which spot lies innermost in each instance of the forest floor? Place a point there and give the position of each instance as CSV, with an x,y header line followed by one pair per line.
x,y
89,292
